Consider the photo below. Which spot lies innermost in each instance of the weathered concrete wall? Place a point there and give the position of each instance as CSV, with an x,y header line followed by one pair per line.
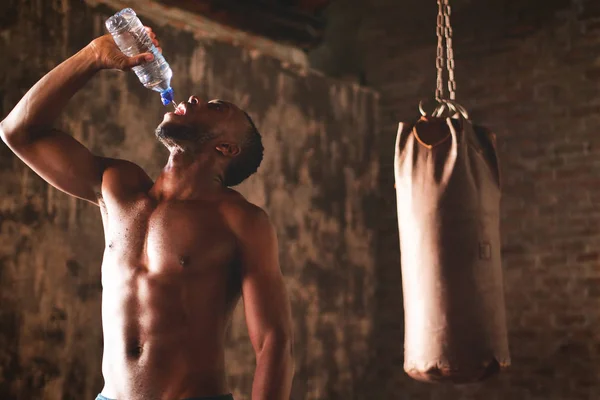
x,y
530,70
318,178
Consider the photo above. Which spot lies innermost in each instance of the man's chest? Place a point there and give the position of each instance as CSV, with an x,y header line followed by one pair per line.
x,y
168,236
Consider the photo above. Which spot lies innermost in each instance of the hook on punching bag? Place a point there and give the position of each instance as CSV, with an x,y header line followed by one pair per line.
x,y
448,198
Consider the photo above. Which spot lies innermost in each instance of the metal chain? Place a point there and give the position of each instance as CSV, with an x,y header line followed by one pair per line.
x,y
450,52
444,33
439,62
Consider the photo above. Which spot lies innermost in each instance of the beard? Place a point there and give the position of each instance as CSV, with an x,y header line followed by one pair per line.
x,y
182,136
175,132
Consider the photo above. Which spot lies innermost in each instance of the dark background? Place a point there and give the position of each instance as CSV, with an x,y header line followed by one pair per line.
x,y
327,83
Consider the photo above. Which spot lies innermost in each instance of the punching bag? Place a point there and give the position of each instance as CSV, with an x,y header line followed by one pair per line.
x,y
448,197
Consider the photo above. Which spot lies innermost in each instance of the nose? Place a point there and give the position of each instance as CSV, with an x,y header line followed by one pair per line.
x,y
193,100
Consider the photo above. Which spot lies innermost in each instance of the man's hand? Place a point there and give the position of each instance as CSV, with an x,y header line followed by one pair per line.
x,y
107,55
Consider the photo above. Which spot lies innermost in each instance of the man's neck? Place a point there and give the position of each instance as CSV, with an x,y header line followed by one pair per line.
x,y
188,177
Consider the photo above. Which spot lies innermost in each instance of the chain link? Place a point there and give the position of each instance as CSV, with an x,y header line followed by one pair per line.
x,y
444,33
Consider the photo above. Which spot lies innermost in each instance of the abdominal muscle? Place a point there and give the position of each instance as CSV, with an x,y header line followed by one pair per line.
x,y
164,331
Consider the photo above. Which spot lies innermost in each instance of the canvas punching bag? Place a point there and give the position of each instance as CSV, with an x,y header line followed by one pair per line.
x,y
448,197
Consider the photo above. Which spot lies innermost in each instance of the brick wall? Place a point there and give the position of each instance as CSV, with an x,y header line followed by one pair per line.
x,y
317,179
530,70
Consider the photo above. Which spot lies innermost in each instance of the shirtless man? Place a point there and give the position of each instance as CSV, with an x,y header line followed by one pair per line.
x,y
179,251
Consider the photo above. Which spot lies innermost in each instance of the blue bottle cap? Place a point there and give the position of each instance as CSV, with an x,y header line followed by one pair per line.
x,y
166,96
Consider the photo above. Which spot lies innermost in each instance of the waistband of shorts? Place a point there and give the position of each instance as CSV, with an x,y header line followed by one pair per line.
x,y
220,397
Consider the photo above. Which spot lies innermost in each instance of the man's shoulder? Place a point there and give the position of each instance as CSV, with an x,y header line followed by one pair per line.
x,y
244,215
122,175
121,166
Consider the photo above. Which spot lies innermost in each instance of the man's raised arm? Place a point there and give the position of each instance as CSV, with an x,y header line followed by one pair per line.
x,y
267,309
29,128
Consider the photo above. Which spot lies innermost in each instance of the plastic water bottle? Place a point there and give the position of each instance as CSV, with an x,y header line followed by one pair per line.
x,y
131,37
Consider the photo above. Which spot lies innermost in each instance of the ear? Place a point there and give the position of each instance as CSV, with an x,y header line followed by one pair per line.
x,y
228,149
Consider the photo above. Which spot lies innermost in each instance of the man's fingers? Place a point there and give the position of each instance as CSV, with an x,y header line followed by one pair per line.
x,y
145,57
150,32
140,59
152,36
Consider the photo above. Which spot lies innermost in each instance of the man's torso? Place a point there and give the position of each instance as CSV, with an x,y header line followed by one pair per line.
x,y
170,281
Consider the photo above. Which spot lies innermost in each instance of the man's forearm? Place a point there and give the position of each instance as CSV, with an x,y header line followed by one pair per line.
x,y
274,371
44,102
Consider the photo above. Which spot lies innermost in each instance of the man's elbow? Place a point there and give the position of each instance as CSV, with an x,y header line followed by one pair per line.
x,y
4,132
10,133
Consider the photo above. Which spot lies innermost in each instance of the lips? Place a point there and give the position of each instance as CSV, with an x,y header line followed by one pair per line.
x,y
181,109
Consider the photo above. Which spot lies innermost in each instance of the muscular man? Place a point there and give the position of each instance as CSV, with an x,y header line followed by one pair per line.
x,y
179,251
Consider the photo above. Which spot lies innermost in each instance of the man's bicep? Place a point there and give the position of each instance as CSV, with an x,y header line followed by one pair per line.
x,y
61,161
264,292
267,308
